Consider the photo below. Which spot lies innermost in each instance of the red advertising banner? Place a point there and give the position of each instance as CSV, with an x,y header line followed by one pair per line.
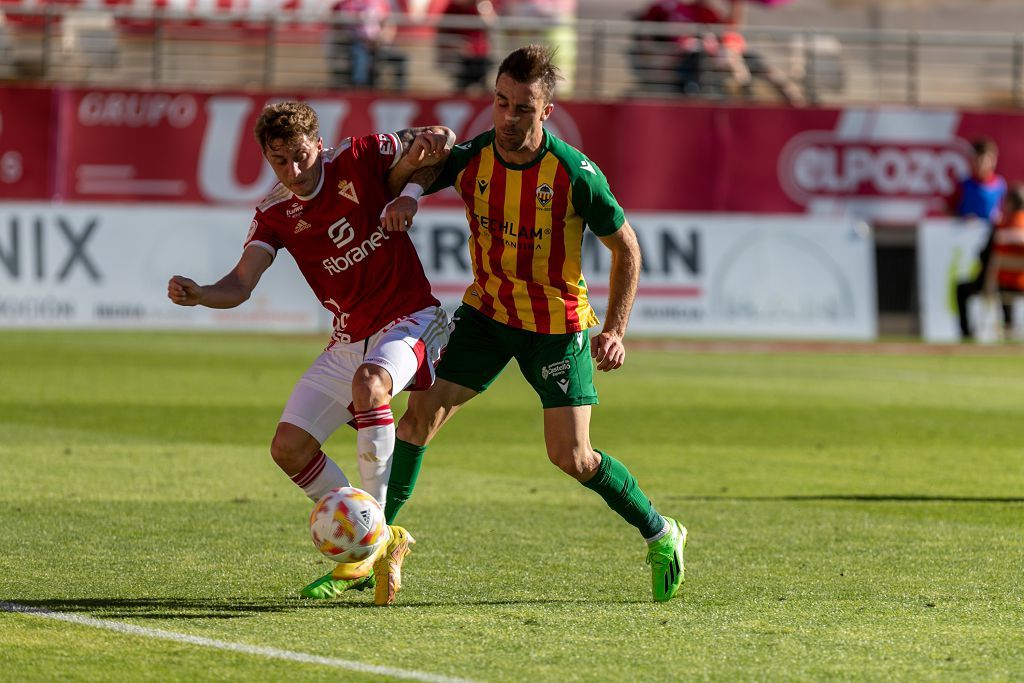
x,y
27,142
886,164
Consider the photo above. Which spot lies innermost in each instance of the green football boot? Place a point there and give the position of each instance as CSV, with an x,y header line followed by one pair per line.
x,y
327,587
666,559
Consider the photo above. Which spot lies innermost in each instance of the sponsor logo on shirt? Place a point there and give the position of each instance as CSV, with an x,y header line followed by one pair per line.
x,y
585,165
294,210
341,232
301,225
357,253
481,184
386,144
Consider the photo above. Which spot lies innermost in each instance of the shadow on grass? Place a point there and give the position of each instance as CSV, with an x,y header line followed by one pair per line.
x,y
159,608
855,498
479,603
189,608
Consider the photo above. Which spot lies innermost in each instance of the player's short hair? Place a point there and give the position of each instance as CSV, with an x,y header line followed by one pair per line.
x,y
286,121
1015,198
984,145
532,63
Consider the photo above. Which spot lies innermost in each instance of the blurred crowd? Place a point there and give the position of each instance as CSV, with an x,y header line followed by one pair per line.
x,y
699,51
690,48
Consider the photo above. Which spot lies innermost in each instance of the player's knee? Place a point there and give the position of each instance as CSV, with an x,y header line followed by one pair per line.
x,y
290,454
371,387
579,462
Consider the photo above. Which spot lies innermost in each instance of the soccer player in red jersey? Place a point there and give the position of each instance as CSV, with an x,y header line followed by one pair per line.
x,y
529,197
328,211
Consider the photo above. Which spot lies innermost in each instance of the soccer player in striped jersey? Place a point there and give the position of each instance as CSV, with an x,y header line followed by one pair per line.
x,y
529,197
327,210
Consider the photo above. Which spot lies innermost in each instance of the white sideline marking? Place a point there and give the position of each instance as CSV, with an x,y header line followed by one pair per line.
x,y
271,652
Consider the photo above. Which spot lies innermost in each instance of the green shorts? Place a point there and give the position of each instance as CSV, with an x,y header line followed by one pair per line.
x,y
557,366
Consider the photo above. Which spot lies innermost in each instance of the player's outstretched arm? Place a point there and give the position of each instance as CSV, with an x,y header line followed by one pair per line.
x,y
607,348
228,292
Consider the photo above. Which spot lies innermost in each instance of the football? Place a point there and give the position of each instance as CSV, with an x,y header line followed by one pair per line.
x,y
347,525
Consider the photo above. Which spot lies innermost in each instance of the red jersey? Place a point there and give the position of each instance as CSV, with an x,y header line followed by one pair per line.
x,y
363,274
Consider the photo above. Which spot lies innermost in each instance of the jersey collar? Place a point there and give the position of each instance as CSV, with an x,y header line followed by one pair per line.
x,y
545,143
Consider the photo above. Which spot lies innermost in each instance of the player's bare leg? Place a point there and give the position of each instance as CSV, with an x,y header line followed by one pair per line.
x,y
426,413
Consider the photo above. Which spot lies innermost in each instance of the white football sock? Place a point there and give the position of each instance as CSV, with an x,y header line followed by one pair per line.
x,y
319,476
375,442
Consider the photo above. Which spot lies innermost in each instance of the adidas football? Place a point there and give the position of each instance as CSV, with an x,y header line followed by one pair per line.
x,y
347,525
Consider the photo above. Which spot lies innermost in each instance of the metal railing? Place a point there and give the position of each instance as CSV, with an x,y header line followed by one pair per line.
x,y
602,60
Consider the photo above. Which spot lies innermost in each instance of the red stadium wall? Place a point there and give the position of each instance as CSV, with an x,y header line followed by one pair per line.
x,y
96,145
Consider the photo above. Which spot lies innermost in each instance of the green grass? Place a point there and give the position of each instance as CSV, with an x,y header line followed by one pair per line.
x,y
851,517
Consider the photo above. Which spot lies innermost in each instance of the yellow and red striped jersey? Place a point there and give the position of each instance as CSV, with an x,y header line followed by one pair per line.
x,y
526,226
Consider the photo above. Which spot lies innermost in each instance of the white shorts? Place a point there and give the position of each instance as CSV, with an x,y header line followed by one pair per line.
x,y
408,348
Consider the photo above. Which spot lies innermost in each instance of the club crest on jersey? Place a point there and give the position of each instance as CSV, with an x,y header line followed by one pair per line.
x,y
348,190
301,225
544,195
481,184
294,210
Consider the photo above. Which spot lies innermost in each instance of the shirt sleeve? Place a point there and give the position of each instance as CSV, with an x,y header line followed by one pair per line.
x,y
263,236
380,152
595,202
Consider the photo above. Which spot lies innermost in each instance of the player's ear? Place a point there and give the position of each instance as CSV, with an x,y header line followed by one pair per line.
x,y
319,144
546,111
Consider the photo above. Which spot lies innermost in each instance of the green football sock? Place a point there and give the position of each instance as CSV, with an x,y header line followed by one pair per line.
x,y
405,468
618,487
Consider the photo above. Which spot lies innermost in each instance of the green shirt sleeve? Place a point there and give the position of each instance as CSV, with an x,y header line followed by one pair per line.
x,y
594,200
591,195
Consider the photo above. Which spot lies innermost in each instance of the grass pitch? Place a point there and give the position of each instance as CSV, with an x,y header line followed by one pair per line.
x,y
851,517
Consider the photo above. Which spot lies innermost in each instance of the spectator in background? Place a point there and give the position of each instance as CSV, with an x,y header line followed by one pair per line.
x,y
559,33
979,195
358,45
694,12
674,63
465,52
704,62
1005,272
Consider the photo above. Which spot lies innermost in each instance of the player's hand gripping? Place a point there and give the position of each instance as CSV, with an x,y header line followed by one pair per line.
x,y
427,149
183,291
397,215
608,351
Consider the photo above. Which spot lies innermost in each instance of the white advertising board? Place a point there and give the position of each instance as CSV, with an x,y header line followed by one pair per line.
x,y
704,275
108,265
730,275
947,253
